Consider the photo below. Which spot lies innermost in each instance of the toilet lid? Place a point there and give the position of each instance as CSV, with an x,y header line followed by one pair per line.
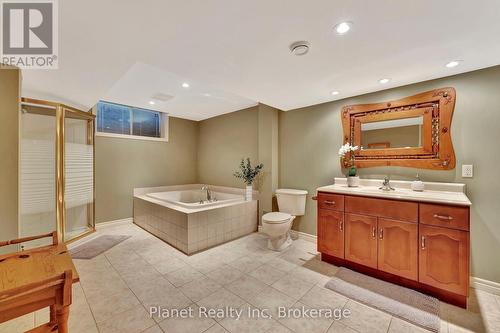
x,y
276,217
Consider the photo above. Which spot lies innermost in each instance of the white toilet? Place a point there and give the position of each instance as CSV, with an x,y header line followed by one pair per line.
x,y
277,225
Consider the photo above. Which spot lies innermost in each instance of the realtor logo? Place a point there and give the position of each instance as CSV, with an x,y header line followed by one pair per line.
x,y
29,33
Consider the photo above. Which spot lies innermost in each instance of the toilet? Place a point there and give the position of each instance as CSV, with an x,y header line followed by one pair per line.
x,y
277,225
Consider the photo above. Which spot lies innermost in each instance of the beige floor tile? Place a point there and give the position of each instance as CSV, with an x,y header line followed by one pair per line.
x,y
297,256
320,297
292,286
106,307
225,274
246,287
267,274
182,276
366,319
220,299
165,299
194,324
131,321
461,320
248,322
282,264
206,265
144,290
400,326
270,299
246,263
20,324
279,328
339,328
153,329
310,275
200,288
301,324
216,329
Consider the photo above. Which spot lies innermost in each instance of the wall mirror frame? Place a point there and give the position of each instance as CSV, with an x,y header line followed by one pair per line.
x,y
429,113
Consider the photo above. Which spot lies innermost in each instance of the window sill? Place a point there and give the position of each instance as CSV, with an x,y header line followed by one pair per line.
x,y
133,137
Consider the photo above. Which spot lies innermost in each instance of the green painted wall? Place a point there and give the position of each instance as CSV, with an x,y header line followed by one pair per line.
x,y
310,137
124,164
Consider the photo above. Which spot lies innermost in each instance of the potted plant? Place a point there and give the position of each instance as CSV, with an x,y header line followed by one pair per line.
x,y
248,174
352,171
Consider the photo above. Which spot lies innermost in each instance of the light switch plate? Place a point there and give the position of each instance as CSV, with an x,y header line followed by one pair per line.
x,y
467,171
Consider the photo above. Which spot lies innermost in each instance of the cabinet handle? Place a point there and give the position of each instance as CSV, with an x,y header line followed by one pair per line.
x,y
374,230
443,217
341,225
423,242
381,233
329,202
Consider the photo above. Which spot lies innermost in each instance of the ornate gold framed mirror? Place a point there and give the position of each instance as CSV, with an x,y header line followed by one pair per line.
x,y
410,132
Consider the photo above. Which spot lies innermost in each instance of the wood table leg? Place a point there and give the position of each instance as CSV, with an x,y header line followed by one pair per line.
x,y
53,316
62,318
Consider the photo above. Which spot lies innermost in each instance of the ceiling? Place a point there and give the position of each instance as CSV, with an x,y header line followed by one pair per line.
x,y
237,50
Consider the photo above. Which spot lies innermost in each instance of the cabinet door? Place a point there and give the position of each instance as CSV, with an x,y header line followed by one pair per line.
x,y
444,258
361,239
398,248
331,232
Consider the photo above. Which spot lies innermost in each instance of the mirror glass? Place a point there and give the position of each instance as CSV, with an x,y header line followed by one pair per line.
x,y
397,133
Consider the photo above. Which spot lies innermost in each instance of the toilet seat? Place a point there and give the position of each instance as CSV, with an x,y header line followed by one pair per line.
x,y
276,217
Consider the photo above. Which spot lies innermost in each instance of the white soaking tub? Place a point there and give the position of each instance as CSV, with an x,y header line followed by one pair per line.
x,y
195,198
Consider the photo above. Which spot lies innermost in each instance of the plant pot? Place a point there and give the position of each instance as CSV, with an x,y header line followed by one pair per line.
x,y
353,181
249,193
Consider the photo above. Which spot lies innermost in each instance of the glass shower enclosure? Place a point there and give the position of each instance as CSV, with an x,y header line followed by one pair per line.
x,y
57,170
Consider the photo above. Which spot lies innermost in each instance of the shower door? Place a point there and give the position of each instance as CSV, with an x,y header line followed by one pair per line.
x,y
57,171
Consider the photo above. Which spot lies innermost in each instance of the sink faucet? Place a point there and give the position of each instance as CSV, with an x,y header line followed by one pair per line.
x,y
209,193
386,186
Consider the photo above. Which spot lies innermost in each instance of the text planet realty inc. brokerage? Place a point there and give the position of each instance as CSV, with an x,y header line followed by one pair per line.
x,y
237,313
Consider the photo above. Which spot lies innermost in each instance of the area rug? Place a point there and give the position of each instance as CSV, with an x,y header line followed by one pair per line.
x,y
410,305
96,246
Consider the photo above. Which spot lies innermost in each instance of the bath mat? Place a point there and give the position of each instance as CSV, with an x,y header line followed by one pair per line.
x,y
96,246
407,304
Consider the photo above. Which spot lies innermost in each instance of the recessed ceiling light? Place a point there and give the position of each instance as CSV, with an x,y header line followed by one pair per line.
x,y
185,85
343,27
207,94
453,63
335,93
152,102
384,81
299,48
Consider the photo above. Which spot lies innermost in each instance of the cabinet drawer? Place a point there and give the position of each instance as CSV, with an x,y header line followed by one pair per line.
x,y
445,216
392,209
331,201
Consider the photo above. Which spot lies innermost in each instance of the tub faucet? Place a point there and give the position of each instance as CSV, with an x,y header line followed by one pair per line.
x,y
386,185
209,193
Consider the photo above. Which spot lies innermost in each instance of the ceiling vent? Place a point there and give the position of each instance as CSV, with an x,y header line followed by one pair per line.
x,y
299,48
162,97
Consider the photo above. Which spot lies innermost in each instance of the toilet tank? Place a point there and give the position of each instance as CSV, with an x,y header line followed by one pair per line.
x,y
291,201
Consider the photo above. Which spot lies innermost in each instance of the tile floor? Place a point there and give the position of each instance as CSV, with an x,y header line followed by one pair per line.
x,y
118,287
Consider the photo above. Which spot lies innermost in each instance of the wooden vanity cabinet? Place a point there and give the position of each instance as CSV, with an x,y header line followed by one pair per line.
x,y
418,245
361,239
331,231
444,258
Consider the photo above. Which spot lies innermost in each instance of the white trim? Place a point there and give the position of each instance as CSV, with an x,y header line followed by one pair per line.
x,y
101,225
133,137
485,285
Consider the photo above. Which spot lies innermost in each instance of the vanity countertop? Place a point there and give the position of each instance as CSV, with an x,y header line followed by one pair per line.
x,y
441,193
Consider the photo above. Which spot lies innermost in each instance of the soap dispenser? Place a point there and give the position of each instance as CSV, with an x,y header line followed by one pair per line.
x,y
417,185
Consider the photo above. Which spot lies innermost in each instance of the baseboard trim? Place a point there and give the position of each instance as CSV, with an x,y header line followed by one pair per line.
x,y
101,225
485,285
300,235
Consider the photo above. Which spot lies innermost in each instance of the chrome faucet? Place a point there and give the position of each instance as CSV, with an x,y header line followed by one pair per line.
x,y
208,191
386,185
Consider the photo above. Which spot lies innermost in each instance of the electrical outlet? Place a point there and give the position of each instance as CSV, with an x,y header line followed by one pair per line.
x,y
467,171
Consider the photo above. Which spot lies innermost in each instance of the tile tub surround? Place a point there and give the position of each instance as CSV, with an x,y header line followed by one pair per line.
x,y
444,193
193,230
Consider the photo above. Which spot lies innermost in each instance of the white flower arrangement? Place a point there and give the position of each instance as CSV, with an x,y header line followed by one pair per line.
x,y
348,149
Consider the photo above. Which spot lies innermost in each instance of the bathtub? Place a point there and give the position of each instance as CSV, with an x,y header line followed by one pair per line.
x,y
195,198
175,215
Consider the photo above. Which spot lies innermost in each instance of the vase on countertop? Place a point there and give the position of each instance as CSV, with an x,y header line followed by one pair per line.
x,y
249,193
353,181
